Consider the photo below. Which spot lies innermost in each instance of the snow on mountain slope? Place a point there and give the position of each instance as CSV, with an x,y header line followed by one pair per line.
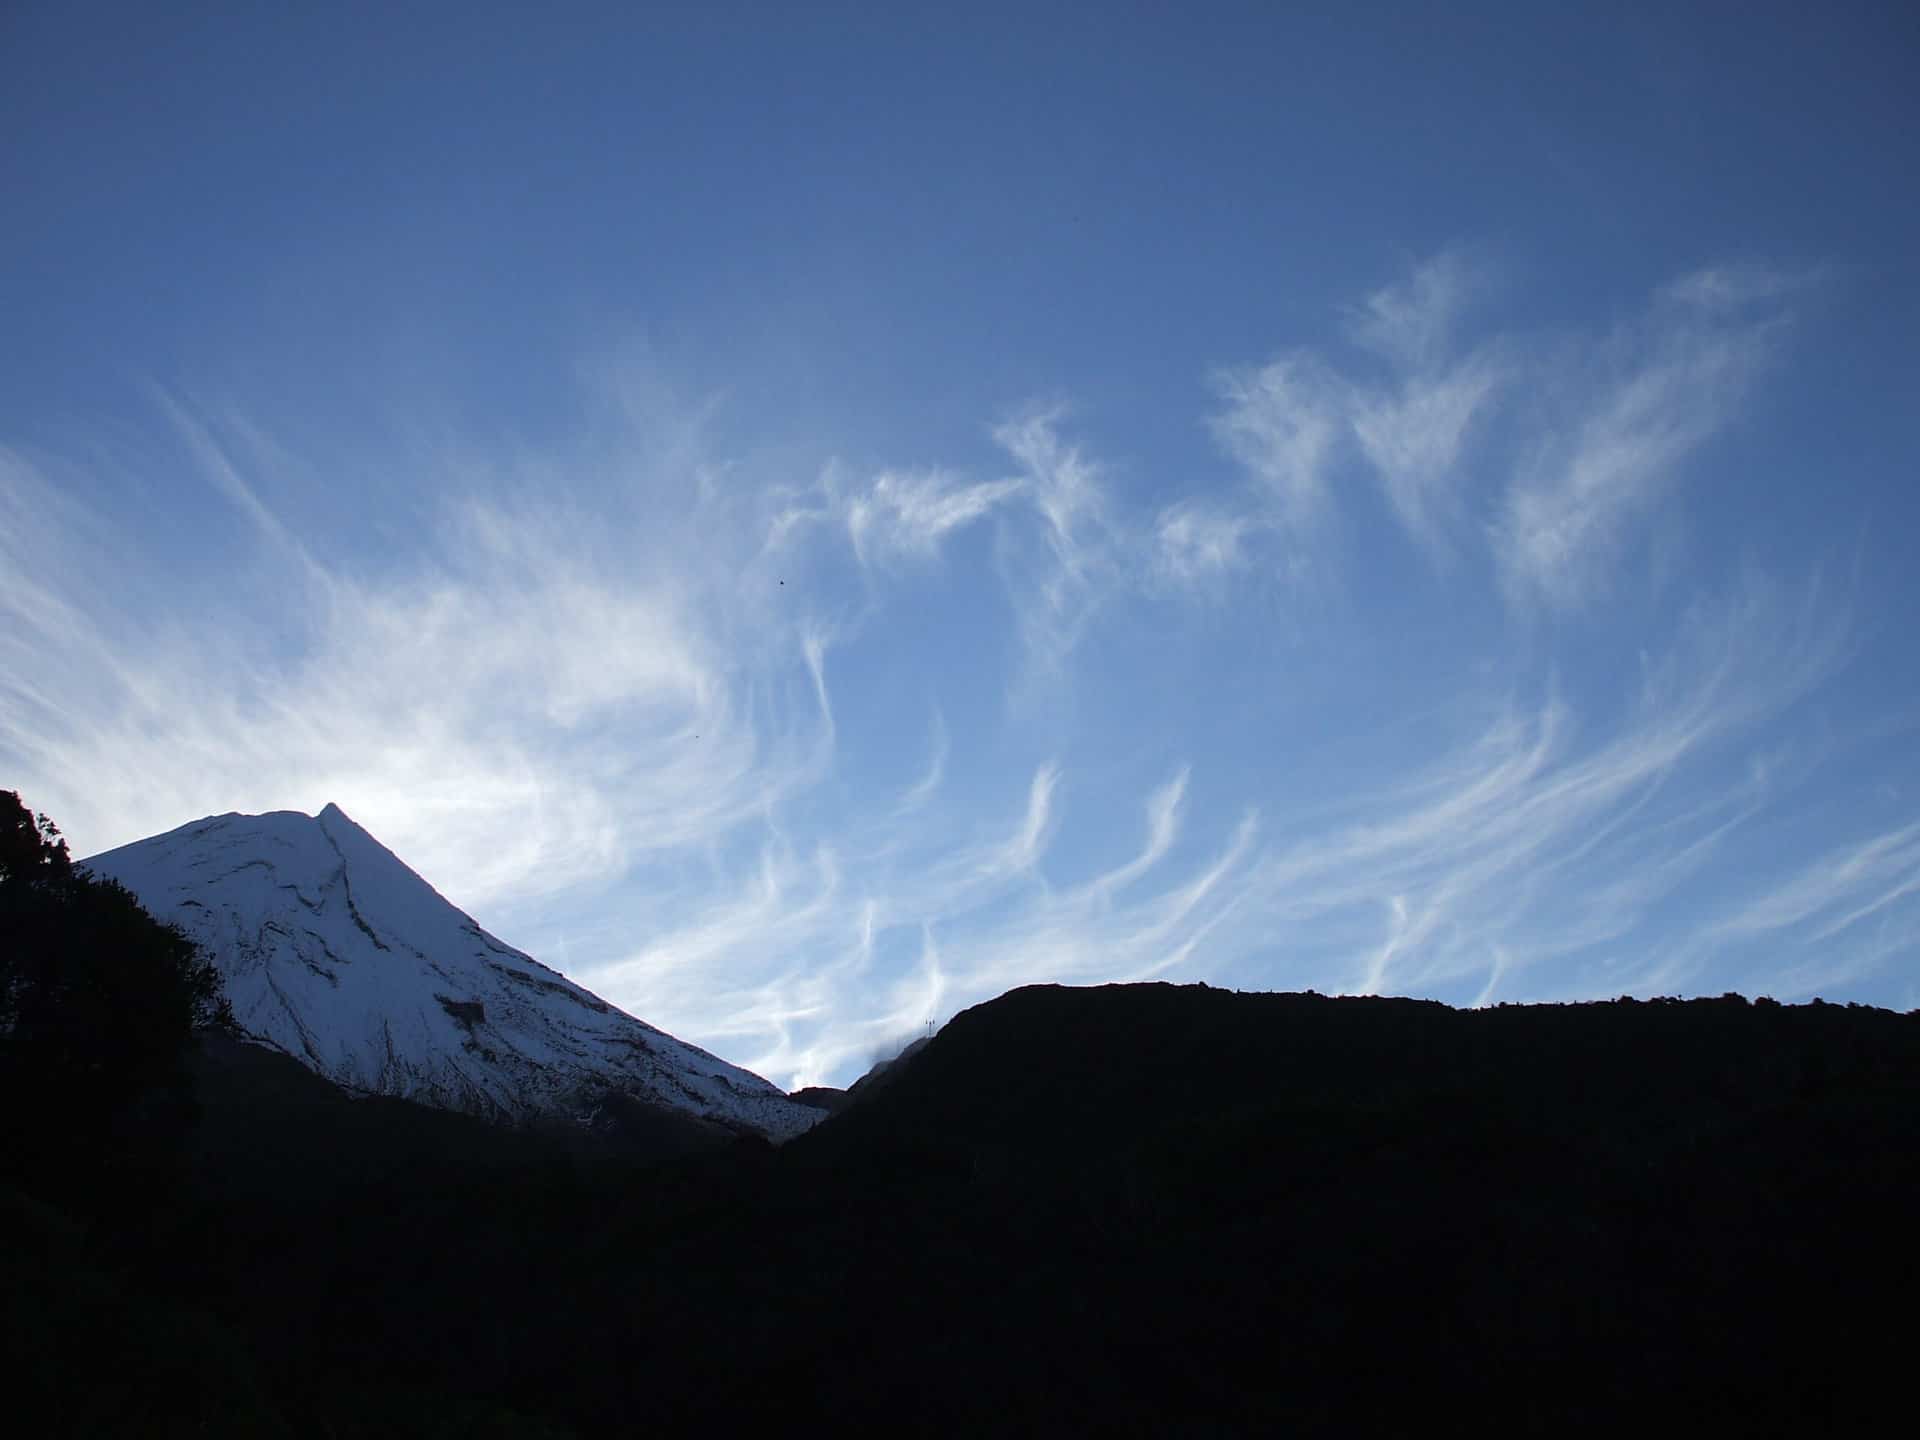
x,y
336,952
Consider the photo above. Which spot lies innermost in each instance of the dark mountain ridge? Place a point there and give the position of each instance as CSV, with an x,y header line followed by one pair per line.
x,y
1123,1210
1286,1209
1090,1065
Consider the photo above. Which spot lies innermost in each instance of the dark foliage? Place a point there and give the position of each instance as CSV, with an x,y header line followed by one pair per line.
x,y
98,1006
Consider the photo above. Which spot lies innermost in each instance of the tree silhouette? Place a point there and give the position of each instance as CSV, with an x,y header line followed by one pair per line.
x,y
98,1005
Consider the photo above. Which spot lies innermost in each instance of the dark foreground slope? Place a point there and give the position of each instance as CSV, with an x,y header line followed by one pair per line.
x,y
1121,1210
1265,1207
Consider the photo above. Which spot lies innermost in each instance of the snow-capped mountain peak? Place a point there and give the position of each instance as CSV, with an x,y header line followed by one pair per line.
x,y
336,952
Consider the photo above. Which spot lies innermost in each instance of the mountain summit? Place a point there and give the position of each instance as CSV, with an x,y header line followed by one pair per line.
x,y
335,952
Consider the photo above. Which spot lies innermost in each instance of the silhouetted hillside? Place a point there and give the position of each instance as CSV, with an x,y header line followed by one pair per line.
x,y
1127,1210
1252,1209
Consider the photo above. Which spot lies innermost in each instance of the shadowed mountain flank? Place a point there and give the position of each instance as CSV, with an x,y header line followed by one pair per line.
x,y
1128,1210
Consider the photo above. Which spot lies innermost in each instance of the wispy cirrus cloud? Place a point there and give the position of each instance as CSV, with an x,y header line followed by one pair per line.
x,y
1538,855
1197,542
906,516
1738,286
1830,921
1664,385
637,704
1303,423
1837,891
526,708
1413,429
517,705
830,956
1413,322
1525,846
918,794
1061,547
1059,579
1414,436
1284,422
1599,432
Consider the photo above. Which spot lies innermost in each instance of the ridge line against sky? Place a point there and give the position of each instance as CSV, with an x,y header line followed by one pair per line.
x,y
547,729
803,551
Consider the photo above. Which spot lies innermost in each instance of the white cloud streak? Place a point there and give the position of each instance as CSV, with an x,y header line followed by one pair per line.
x,y
1300,422
907,516
1197,542
1534,858
1412,323
928,785
1603,439
1671,382
1057,592
1835,892
517,708
1284,422
595,708
1526,842
1415,437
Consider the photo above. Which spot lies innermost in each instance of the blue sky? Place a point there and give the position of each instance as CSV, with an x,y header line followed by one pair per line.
x,y
806,521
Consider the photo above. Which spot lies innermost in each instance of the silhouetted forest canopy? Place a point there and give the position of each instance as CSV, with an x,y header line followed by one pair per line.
x,y
98,1003
1141,1209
